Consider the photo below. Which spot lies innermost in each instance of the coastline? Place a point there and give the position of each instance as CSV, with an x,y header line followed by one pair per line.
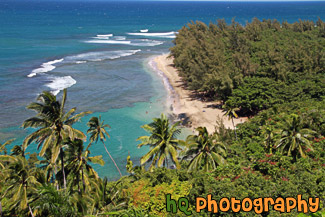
x,y
191,111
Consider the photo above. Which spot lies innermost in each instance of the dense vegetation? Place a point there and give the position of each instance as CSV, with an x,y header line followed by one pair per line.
x,y
253,67
280,152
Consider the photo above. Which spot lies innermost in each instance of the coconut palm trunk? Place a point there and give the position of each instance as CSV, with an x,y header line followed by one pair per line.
x,y
112,159
83,180
62,161
56,181
166,163
231,114
25,186
232,119
62,168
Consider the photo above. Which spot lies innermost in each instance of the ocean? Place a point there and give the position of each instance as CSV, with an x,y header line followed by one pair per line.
x,y
102,52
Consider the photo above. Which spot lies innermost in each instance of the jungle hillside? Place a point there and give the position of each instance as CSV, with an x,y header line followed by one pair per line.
x,y
270,71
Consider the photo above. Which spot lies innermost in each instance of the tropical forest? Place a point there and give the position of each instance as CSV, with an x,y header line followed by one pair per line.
x,y
269,71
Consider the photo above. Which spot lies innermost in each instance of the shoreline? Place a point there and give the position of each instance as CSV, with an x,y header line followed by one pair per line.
x,y
191,111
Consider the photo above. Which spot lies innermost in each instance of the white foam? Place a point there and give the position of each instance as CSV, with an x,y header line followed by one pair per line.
x,y
54,61
107,35
108,42
146,43
79,62
45,67
101,38
131,52
149,43
59,83
100,56
157,34
144,30
119,37
168,36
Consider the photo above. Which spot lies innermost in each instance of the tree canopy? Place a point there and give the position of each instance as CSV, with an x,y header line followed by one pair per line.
x,y
255,66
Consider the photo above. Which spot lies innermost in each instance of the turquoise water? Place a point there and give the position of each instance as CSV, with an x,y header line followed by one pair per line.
x,y
96,49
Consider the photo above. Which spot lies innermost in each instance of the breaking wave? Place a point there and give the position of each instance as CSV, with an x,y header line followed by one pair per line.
x,y
45,67
157,34
59,83
107,35
100,56
146,42
101,41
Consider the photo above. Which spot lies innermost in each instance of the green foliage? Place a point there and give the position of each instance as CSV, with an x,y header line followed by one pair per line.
x,y
204,151
317,214
129,213
162,142
293,138
145,196
274,71
97,130
54,125
255,168
256,94
253,67
51,202
129,164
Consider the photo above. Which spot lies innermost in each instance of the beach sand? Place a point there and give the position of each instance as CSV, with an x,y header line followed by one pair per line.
x,y
192,111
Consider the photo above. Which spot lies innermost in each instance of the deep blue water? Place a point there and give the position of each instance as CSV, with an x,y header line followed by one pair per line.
x,y
50,45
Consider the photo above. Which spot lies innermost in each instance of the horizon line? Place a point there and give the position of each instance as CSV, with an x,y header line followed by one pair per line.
x,y
278,1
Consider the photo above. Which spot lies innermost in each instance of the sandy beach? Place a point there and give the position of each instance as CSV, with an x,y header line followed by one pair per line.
x,y
192,110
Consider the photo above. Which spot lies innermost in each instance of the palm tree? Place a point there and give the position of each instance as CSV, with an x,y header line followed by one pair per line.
x,y
48,166
79,164
3,146
294,138
79,203
21,182
231,114
100,195
97,131
4,173
18,150
204,150
129,164
107,199
268,134
52,202
162,142
54,126
3,150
